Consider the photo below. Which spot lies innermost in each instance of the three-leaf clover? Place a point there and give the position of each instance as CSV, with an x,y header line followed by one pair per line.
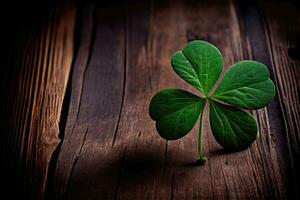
x,y
245,85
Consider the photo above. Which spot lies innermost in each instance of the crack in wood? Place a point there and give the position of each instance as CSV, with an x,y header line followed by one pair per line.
x,y
65,194
125,65
172,186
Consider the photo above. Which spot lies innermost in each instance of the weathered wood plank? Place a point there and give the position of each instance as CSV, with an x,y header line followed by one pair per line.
x,y
283,30
36,79
111,149
96,102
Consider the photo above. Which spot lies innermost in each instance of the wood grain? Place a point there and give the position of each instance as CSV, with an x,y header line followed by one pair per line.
x,y
111,149
35,82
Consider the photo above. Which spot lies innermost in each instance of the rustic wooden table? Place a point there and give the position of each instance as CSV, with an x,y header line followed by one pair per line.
x,y
76,85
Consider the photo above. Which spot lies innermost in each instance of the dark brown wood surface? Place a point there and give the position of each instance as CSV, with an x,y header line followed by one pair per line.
x,y
109,147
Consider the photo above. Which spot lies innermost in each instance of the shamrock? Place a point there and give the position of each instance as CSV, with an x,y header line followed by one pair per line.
x,y
245,85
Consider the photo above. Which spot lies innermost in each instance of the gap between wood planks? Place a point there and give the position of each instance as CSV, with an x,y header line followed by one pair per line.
x,y
84,20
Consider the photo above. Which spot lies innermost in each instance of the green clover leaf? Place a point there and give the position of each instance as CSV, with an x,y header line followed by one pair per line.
x,y
245,85
199,64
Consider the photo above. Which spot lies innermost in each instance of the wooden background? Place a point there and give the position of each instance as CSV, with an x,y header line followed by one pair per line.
x,y
77,78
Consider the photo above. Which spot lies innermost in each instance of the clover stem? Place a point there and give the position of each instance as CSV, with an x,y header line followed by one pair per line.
x,y
201,159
